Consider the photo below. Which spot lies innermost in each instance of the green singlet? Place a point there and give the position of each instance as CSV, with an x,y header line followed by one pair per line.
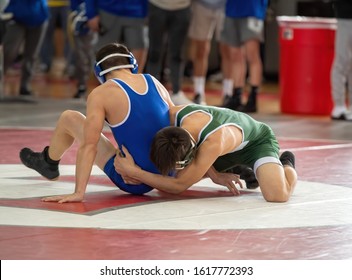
x,y
259,144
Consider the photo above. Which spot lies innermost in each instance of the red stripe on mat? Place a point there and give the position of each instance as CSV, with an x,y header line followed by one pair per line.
x,y
38,243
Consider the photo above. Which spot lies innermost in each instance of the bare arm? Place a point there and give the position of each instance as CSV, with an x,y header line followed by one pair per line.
x,y
225,179
163,92
86,153
88,148
184,179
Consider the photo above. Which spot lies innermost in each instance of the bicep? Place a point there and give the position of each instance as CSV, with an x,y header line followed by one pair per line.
x,y
94,123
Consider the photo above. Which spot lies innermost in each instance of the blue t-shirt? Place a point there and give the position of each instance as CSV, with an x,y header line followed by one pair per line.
x,y
246,8
125,8
29,12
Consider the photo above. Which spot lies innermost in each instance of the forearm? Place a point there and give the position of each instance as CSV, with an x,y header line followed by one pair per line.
x,y
167,184
212,174
84,163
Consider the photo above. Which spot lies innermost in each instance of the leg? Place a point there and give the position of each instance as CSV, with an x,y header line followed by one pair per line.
x,y
69,129
276,182
226,68
157,25
200,66
254,61
237,56
33,42
47,48
84,56
13,39
177,40
235,67
135,36
255,73
339,70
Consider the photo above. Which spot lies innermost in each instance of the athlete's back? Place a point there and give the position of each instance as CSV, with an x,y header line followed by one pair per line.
x,y
147,113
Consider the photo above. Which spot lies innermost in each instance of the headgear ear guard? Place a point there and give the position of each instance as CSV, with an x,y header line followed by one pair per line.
x,y
181,164
100,73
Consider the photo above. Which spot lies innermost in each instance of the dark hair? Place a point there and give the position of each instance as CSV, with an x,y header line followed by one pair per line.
x,y
169,145
115,60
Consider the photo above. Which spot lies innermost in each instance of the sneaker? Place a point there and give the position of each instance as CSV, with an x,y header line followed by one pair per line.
x,y
247,174
288,158
25,92
199,99
81,92
250,107
37,162
179,98
342,117
231,102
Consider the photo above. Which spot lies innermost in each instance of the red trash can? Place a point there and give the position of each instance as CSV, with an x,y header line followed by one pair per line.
x,y
306,56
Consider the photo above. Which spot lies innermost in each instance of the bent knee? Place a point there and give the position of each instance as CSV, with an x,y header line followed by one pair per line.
x,y
276,194
277,198
71,116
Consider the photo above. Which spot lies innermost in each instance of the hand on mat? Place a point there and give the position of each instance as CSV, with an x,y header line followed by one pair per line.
x,y
74,197
124,165
228,180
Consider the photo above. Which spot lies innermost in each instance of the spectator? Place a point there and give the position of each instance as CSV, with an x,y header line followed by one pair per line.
x,y
122,21
58,10
169,20
82,44
243,32
341,72
30,19
207,19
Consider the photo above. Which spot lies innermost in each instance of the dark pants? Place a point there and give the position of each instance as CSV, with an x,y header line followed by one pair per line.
x,y
32,37
173,26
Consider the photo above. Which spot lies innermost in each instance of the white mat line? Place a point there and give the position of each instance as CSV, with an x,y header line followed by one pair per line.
x,y
323,147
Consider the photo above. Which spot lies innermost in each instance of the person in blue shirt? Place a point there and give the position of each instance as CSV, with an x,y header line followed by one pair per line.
x,y
82,41
123,21
58,11
135,107
27,26
243,33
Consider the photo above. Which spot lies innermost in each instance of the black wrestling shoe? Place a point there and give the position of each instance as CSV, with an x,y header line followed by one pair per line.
x,y
81,92
288,158
25,92
250,107
247,174
232,102
199,99
38,162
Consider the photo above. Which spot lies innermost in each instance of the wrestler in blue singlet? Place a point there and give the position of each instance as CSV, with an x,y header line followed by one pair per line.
x,y
149,112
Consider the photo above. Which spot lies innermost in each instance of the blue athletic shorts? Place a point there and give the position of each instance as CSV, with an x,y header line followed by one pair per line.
x,y
116,178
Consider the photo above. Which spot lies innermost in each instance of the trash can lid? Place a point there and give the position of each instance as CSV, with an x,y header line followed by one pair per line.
x,y
307,22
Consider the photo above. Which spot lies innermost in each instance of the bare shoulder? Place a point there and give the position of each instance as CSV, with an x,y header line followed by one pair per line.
x,y
104,91
163,91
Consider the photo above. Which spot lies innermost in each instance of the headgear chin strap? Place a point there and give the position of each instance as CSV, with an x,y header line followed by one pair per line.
x,y
100,73
181,164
